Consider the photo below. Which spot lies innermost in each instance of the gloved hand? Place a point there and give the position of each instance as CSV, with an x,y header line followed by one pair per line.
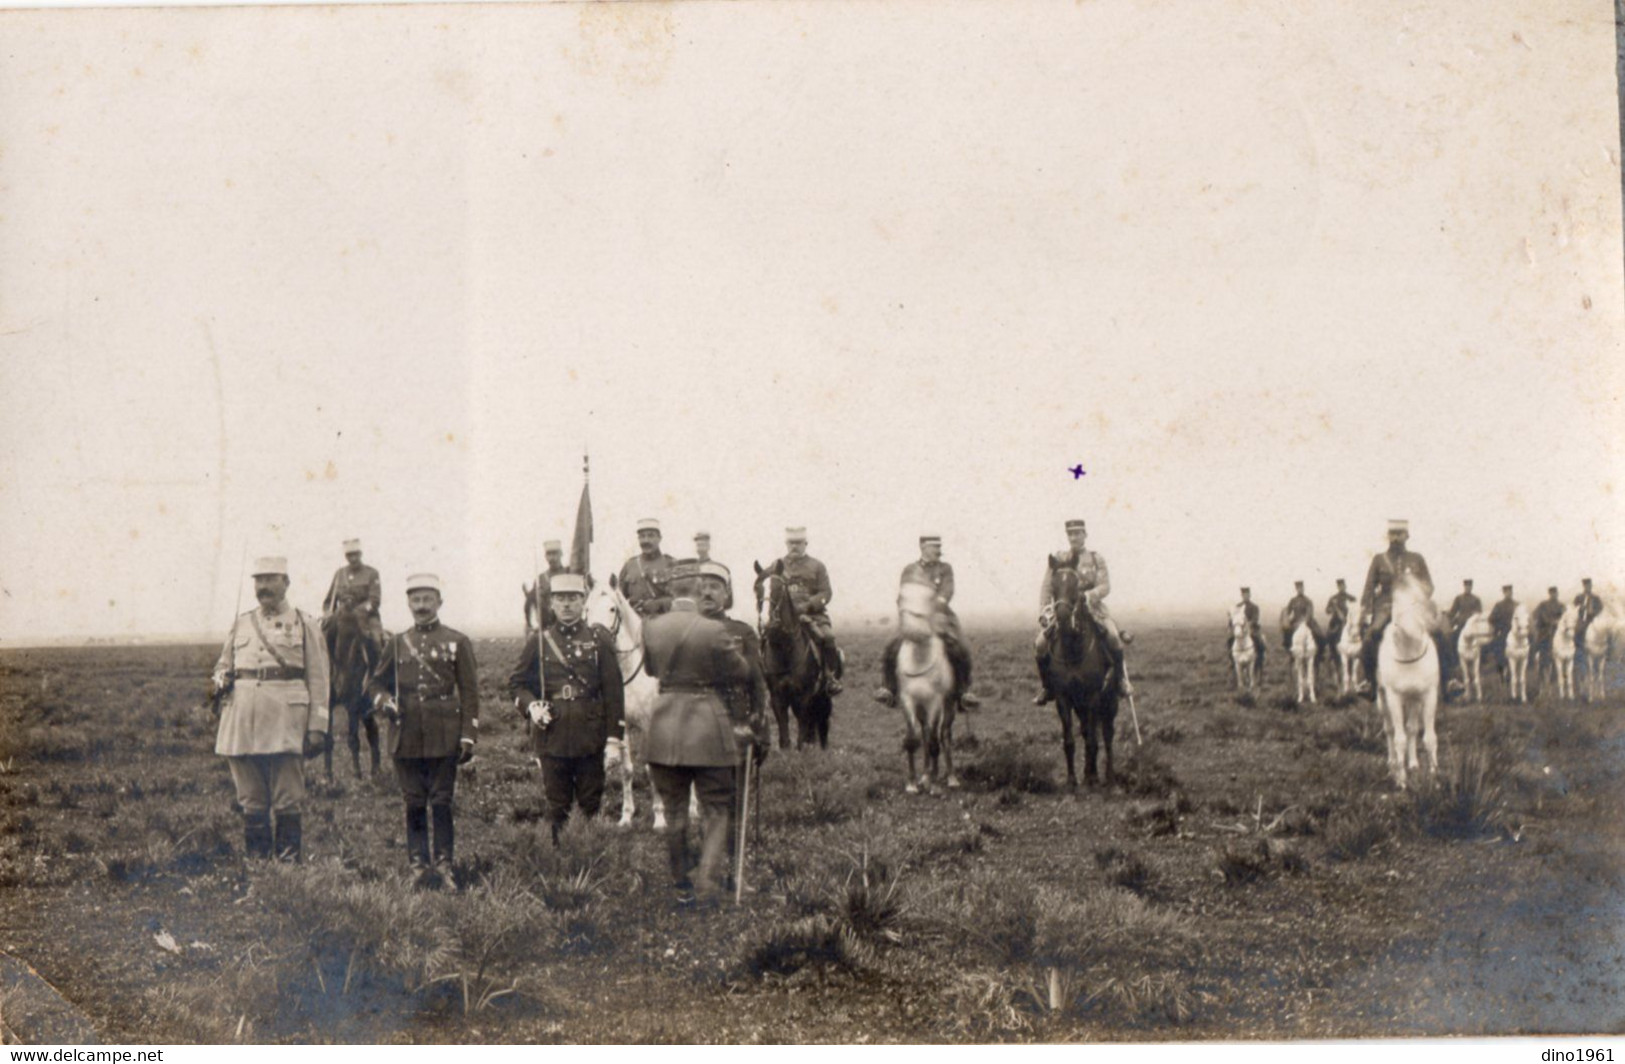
x,y
390,709
219,683
465,752
743,734
315,743
540,713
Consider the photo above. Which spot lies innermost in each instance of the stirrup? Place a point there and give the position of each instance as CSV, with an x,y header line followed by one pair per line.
x,y
884,697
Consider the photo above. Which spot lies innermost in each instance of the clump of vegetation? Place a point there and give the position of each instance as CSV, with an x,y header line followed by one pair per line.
x,y
819,941
1466,798
1159,818
1358,828
1146,773
1124,869
1007,765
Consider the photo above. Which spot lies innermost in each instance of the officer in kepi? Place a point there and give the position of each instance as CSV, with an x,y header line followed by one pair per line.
x,y
1096,583
807,581
1299,610
357,588
567,686
427,685
1377,603
693,742
272,677
1587,605
644,576
536,596
1255,628
931,571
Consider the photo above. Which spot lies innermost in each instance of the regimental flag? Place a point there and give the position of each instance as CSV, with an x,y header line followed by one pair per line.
x,y
581,544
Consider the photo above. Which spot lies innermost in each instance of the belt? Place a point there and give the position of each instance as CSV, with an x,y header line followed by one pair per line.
x,y
275,672
691,688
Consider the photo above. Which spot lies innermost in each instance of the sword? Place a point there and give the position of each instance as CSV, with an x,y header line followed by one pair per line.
x,y
236,618
744,817
1133,713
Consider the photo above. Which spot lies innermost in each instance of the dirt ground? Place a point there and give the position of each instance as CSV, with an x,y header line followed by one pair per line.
x,y
1250,874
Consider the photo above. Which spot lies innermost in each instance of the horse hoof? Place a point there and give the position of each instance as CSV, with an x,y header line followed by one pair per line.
x,y
624,822
911,789
953,783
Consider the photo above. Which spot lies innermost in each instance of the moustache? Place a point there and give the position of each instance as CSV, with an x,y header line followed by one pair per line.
x,y
265,593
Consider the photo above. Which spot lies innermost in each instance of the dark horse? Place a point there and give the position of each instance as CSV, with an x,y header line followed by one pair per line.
x,y
1081,676
796,677
351,655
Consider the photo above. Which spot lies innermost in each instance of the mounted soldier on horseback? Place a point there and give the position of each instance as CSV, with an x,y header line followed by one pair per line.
x,y
931,571
354,635
1095,584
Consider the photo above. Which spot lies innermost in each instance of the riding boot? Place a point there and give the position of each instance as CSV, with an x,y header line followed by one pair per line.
x,y
1121,665
257,835
417,837
837,667
443,840
1046,694
887,694
289,830
959,658
1368,661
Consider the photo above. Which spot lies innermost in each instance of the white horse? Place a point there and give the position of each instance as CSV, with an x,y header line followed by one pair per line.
x,y
1408,682
1563,651
1517,652
1601,636
608,608
1476,633
925,687
1243,654
1348,657
1304,651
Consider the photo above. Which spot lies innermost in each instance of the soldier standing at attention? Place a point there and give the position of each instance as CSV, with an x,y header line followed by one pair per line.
x,y
274,667
428,683
356,587
1096,583
692,740
644,576
1586,606
931,571
1544,622
1377,602
747,701
1500,625
808,584
582,709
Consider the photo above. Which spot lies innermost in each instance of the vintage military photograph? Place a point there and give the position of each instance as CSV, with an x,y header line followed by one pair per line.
x,y
990,521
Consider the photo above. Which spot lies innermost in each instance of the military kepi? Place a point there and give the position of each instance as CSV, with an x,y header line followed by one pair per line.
x,y
716,569
1076,525
796,534
270,565
648,524
422,582
351,546
1398,524
926,541
552,545
568,584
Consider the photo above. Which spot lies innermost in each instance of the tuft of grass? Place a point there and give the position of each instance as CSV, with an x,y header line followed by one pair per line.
x,y
1358,828
1146,772
1466,798
1007,765
1126,870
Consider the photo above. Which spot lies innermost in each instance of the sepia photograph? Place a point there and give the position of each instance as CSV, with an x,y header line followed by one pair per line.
x,y
949,522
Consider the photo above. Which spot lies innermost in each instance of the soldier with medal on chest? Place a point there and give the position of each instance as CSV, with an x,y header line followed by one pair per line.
x,y
568,686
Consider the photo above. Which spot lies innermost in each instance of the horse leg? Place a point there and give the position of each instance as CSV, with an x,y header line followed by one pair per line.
x,y
1430,734
1091,745
1067,744
629,803
949,711
1396,758
911,741
352,736
1108,731
370,726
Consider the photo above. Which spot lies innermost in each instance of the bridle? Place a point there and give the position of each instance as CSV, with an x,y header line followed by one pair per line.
x,y
621,656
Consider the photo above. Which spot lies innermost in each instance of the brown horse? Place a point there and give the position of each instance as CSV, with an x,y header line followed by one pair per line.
x,y
1081,675
796,677
352,654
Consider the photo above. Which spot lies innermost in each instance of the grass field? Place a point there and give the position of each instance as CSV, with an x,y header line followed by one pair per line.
x,y
1251,874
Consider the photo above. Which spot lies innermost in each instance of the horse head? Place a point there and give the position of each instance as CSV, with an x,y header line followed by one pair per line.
x,y
1064,586
916,606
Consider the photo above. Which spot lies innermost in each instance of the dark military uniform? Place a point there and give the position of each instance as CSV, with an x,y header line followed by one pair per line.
x,y
1299,609
587,700
691,739
1586,606
1377,603
357,588
1465,605
1255,628
747,703
1543,623
1500,625
643,582
431,673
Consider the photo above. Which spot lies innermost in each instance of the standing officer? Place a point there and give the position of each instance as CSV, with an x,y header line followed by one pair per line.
x,y
931,571
1500,625
1298,610
428,683
692,740
356,587
1586,606
808,583
536,597
747,701
274,665
1377,602
1096,582
645,574
582,709
1544,622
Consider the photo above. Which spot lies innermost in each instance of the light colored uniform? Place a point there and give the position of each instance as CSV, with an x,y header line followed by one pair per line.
x,y
940,576
1096,582
272,705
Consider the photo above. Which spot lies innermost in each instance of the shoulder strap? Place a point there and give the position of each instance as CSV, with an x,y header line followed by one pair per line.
x,y
559,654
254,617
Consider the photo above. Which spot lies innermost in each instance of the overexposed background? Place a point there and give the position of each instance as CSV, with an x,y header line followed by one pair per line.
x,y
1272,272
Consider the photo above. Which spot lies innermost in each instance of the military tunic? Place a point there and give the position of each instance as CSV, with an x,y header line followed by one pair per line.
x,y
1337,608
940,575
1377,600
1501,617
1465,605
643,582
1094,579
280,684
1299,609
431,672
354,586
584,690
1544,621
807,581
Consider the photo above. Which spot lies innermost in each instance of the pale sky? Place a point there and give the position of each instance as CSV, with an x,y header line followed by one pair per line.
x,y
1273,272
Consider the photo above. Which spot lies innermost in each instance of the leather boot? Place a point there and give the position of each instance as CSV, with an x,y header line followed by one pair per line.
x,y
1045,695
289,841
444,847
257,836
417,837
